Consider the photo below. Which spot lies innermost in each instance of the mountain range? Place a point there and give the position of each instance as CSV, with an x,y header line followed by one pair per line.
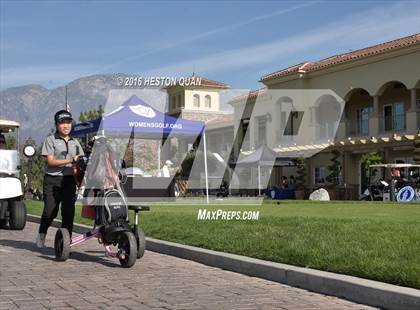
x,y
34,106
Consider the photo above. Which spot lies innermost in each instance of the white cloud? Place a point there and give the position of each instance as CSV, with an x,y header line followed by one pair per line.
x,y
202,35
370,27
360,30
55,75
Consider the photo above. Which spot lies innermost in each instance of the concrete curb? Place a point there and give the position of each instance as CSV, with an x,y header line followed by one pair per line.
x,y
368,292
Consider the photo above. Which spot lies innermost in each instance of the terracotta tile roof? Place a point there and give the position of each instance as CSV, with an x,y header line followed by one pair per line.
x,y
251,95
207,117
346,57
225,118
211,83
205,82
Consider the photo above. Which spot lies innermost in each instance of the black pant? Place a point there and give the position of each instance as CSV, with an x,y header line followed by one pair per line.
x,y
58,189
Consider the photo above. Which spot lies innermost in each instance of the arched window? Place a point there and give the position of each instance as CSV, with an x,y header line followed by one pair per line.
x,y
196,102
207,101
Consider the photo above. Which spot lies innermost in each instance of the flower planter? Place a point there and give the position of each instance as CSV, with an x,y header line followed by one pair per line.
x,y
334,194
300,194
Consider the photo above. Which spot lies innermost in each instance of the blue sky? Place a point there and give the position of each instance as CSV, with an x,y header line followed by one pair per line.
x,y
54,42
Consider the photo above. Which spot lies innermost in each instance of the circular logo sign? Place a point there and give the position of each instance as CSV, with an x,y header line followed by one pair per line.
x,y
406,194
29,151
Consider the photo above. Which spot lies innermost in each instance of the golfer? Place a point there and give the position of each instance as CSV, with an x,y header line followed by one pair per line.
x,y
60,150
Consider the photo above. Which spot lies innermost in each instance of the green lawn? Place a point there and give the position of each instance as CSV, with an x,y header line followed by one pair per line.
x,y
379,241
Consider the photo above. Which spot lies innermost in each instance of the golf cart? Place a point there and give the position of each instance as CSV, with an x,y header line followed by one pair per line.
x,y
12,208
393,182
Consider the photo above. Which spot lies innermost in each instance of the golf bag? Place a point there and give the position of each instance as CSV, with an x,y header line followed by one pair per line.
x,y
104,198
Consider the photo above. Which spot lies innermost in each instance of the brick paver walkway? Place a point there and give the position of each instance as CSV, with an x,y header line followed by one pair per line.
x,y
32,279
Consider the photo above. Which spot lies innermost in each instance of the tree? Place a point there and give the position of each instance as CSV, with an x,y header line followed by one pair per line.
x,y
372,158
88,116
91,114
197,157
301,173
334,169
368,159
10,143
186,165
82,117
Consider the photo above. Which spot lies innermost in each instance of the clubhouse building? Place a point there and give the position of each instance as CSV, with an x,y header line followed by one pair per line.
x,y
380,87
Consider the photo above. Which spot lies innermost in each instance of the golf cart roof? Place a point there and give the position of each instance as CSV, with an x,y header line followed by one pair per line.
x,y
395,166
6,124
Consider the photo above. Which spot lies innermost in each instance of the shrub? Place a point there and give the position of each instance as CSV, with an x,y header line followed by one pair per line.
x,y
334,169
301,173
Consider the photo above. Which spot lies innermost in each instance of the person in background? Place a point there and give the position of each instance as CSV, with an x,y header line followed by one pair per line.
x,y
3,145
292,182
25,182
284,182
165,169
60,151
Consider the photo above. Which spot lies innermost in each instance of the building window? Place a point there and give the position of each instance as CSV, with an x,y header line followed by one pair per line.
x,y
363,115
207,101
245,135
327,130
394,117
174,102
399,118
388,117
283,119
319,175
262,131
180,104
312,112
293,123
196,101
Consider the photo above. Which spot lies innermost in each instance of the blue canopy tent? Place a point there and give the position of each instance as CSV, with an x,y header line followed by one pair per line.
x,y
136,117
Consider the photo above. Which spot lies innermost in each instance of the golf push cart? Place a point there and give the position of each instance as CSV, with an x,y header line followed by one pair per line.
x,y
104,201
12,208
393,182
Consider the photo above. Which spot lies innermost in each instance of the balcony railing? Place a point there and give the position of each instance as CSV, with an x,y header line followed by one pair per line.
x,y
393,124
357,129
